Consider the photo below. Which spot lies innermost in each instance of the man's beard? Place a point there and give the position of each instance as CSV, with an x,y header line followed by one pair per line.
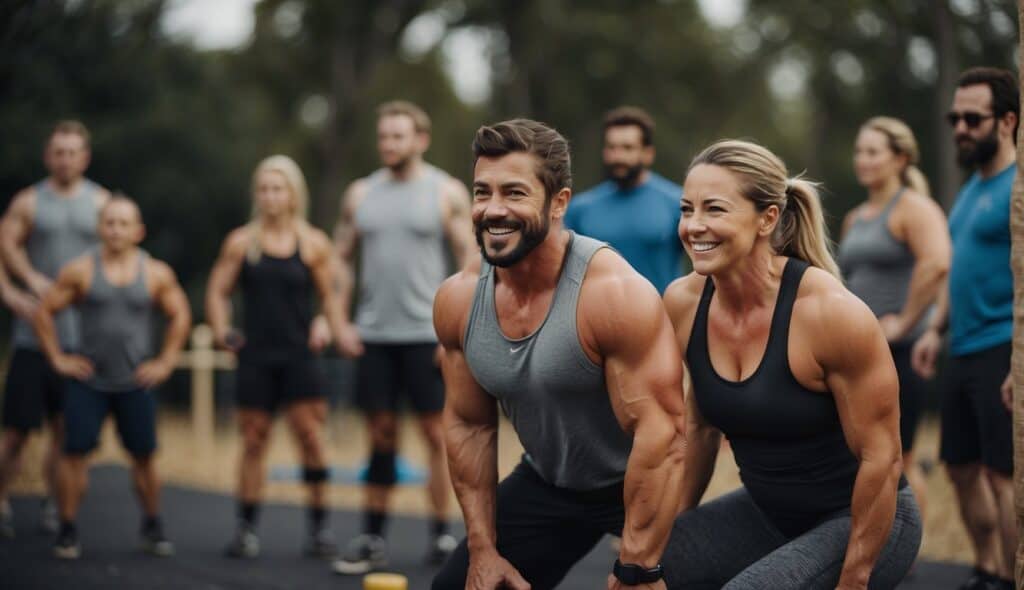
x,y
627,179
979,152
530,236
400,165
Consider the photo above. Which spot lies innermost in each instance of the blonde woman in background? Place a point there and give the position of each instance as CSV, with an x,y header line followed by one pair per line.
x,y
894,254
282,264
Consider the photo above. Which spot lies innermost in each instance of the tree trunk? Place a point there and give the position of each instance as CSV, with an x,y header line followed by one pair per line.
x,y
1017,366
947,177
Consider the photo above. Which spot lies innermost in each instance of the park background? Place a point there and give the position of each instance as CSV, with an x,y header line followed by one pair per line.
x,y
183,98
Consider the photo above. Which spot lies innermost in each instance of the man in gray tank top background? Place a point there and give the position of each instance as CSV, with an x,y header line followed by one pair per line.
x,y
396,227
574,346
116,287
46,226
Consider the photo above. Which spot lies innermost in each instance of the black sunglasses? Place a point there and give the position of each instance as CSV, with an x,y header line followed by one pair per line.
x,y
972,120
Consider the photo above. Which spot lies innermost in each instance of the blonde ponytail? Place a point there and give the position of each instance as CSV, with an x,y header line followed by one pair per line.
x,y
916,181
801,232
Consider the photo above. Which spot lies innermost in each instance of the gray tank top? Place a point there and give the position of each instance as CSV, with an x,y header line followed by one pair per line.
x,y
555,396
876,266
401,257
63,228
116,327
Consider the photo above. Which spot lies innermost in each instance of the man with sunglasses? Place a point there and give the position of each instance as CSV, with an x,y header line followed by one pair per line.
x,y
977,308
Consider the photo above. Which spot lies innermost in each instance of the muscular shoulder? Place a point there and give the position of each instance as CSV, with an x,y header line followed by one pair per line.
x,y
616,301
915,206
354,195
23,203
832,317
160,272
237,242
452,303
681,299
77,272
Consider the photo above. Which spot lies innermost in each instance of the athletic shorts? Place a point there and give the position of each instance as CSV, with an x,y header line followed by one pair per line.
x,y
86,408
913,391
270,384
976,426
33,391
386,371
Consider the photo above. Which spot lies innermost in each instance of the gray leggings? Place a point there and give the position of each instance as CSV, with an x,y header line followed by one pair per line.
x,y
729,543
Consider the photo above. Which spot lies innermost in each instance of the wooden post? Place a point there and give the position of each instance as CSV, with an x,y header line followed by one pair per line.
x,y
203,362
1017,364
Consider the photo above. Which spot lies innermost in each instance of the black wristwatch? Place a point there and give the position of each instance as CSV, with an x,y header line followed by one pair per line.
x,y
632,574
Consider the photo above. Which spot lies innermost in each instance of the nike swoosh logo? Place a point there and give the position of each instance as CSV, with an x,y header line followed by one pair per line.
x,y
517,348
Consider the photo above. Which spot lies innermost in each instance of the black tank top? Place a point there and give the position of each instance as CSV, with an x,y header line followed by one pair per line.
x,y
787,439
277,294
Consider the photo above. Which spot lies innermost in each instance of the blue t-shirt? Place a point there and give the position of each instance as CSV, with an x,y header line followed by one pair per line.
x,y
980,278
641,223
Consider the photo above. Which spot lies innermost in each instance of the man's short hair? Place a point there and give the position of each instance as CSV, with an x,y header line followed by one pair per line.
x,y
70,126
420,120
626,116
553,167
1005,92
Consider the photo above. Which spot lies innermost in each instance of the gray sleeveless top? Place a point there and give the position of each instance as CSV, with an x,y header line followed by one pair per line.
x,y
401,257
63,228
876,266
116,327
555,396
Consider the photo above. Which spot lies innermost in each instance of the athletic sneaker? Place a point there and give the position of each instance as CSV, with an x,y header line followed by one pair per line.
x,y
440,548
365,553
155,543
321,544
245,545
6,520
49,521
67,546
982,580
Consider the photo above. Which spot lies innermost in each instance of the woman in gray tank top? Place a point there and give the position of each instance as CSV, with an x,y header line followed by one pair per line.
x,y
894,254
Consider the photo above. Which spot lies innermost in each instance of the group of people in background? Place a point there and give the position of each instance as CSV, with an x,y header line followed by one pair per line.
x,y
568,314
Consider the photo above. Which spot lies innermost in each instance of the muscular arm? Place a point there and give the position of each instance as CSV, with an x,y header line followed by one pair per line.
x,y
14,230
859,372
346,239
19,301
928,240
324,268
642,368
458,226
171,299
222,282
70,286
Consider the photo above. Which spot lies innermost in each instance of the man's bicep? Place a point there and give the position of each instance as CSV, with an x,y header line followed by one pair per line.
x,y
466,401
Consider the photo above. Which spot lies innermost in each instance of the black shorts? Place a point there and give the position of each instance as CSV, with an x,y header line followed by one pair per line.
x,y
386,371
86,408
33,391
267,384
976,426
913,390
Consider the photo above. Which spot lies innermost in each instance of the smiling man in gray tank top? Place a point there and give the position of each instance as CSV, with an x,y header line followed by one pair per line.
x,y
116,288
574,346
46,225
396,225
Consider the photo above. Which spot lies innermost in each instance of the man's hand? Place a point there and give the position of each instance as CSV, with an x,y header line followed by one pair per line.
x,y
893,327
350,343
319,334
152,373
1007,391
74,366
230,339
39,284
615,584
22,303
491,571
925,352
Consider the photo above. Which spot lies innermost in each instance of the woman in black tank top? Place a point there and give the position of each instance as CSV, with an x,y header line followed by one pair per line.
x,y
795,371
282,263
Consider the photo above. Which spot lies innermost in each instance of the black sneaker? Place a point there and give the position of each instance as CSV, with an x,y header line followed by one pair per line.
x,y
155,543
365,553
440,548
67,546
245,545
321,544
979,580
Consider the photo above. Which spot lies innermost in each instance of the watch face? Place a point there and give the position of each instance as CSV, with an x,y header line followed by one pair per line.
x,y
632,574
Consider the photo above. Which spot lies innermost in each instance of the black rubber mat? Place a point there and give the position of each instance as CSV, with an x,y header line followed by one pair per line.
x,y
200,524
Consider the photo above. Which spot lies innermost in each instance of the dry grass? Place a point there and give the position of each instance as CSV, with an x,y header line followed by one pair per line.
x,y
213,469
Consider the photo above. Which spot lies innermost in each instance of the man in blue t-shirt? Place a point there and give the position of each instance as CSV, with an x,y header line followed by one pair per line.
x,y
977,432
635,210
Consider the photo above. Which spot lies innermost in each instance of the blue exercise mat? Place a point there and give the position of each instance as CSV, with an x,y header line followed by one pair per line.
x,y
407,473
